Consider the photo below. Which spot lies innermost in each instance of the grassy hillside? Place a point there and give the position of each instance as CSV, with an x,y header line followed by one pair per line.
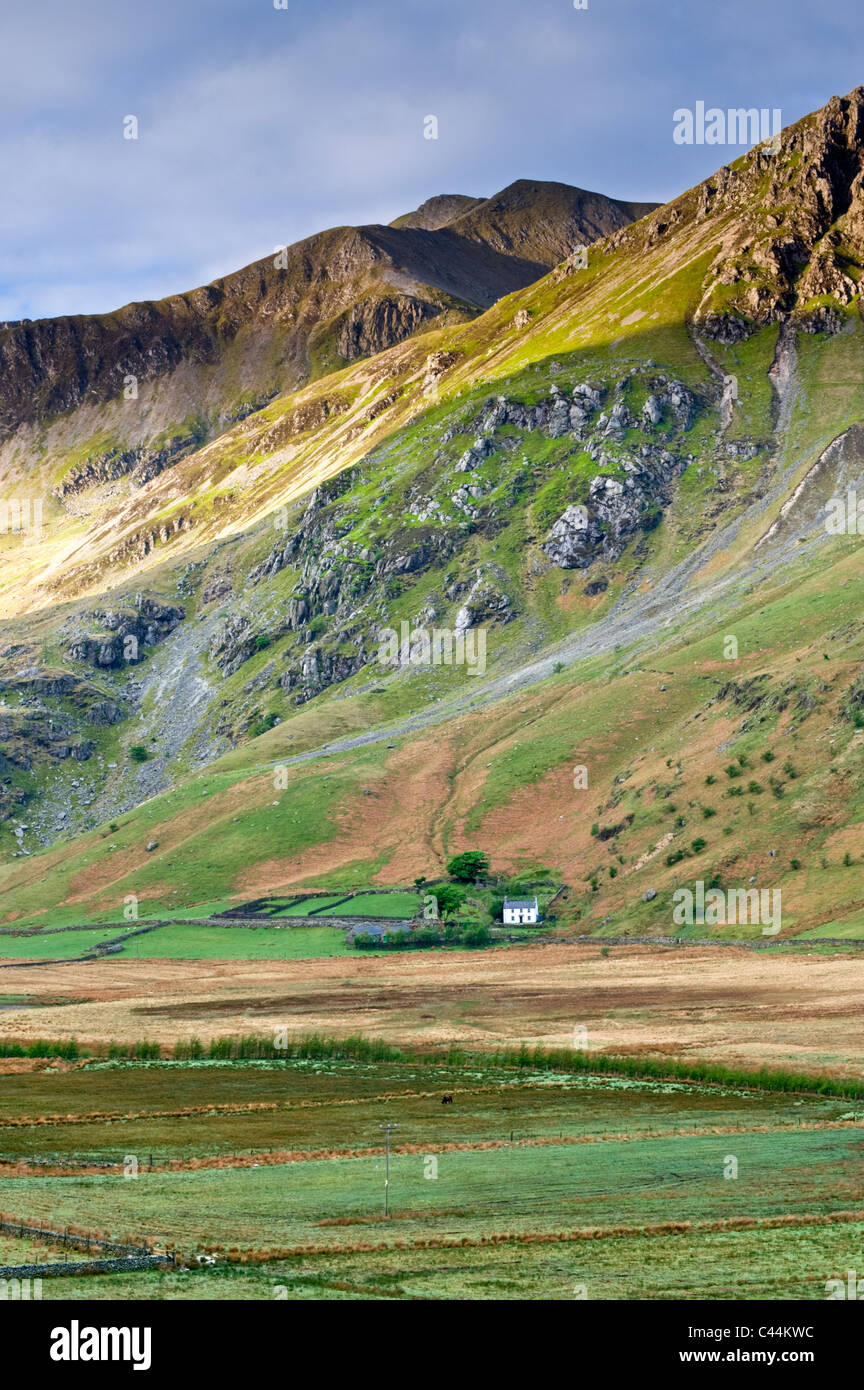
x,y
699,660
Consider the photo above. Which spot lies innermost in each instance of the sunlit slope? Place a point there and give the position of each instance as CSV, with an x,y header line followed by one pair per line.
x,y
736,770
774,234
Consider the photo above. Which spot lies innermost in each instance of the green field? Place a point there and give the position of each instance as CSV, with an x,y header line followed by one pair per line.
x,y
377,905
492,1195
53,944
309,905
181,942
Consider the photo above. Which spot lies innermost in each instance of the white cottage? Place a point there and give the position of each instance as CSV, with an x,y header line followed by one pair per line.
x,y
519,911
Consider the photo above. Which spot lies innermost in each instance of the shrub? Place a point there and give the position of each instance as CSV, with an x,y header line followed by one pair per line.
x,y
138,753
698,845
264,724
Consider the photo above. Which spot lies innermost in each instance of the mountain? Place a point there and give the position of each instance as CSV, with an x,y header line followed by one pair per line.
x,y
538,222
544,222
620,472
138,388
437,212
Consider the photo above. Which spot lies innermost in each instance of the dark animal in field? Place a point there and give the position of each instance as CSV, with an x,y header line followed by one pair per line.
x,y
446,1100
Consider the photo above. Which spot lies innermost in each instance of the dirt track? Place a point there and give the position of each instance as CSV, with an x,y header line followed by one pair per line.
x,y
733,1006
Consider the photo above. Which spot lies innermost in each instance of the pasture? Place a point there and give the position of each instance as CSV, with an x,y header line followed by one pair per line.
x,y
531,1183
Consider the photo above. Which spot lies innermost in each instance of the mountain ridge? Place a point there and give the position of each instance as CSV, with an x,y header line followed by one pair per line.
x,y
439,482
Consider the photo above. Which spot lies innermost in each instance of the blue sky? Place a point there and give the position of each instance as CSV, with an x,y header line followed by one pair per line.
x,y
260,126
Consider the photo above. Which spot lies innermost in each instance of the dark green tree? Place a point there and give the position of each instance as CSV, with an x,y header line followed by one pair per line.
x,y
467,867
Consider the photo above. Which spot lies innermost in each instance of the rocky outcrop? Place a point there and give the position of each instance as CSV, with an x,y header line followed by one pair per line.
x,y
118,634
320,667
487,604
143,464
233,644
615,509
800,239
557,415
376,324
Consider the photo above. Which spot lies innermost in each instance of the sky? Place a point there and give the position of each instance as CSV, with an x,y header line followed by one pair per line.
x,y
258,126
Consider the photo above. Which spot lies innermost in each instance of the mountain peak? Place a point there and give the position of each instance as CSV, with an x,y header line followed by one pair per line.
x,y
788,218
437,212
563,217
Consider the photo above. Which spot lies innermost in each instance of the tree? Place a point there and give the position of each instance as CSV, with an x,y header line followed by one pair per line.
x,y
467,867
448,898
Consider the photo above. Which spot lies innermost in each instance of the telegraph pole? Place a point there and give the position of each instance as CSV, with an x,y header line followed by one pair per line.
x,y
387,1129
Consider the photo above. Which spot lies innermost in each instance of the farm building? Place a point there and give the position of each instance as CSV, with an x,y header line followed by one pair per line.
x,y
380,929
519,911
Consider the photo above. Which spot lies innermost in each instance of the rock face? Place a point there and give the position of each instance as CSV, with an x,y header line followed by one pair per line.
x,y
122,632
486,604
375,325
143,464
232,644
340,589
806,248
614,511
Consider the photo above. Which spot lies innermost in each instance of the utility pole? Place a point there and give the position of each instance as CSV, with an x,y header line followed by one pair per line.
x,y
387,1130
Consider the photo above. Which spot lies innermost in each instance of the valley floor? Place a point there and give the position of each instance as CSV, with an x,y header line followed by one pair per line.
x,y
724,1004
533,1184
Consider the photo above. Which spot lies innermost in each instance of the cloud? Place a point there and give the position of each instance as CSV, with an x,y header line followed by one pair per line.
x,y
259,127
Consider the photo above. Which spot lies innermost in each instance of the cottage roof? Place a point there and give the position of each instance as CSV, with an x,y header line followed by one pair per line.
x,y
521,902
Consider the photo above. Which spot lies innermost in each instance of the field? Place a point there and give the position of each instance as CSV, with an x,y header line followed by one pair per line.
x,y
58,944
728,1004
377,905
534,1184
181,942
530,1184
